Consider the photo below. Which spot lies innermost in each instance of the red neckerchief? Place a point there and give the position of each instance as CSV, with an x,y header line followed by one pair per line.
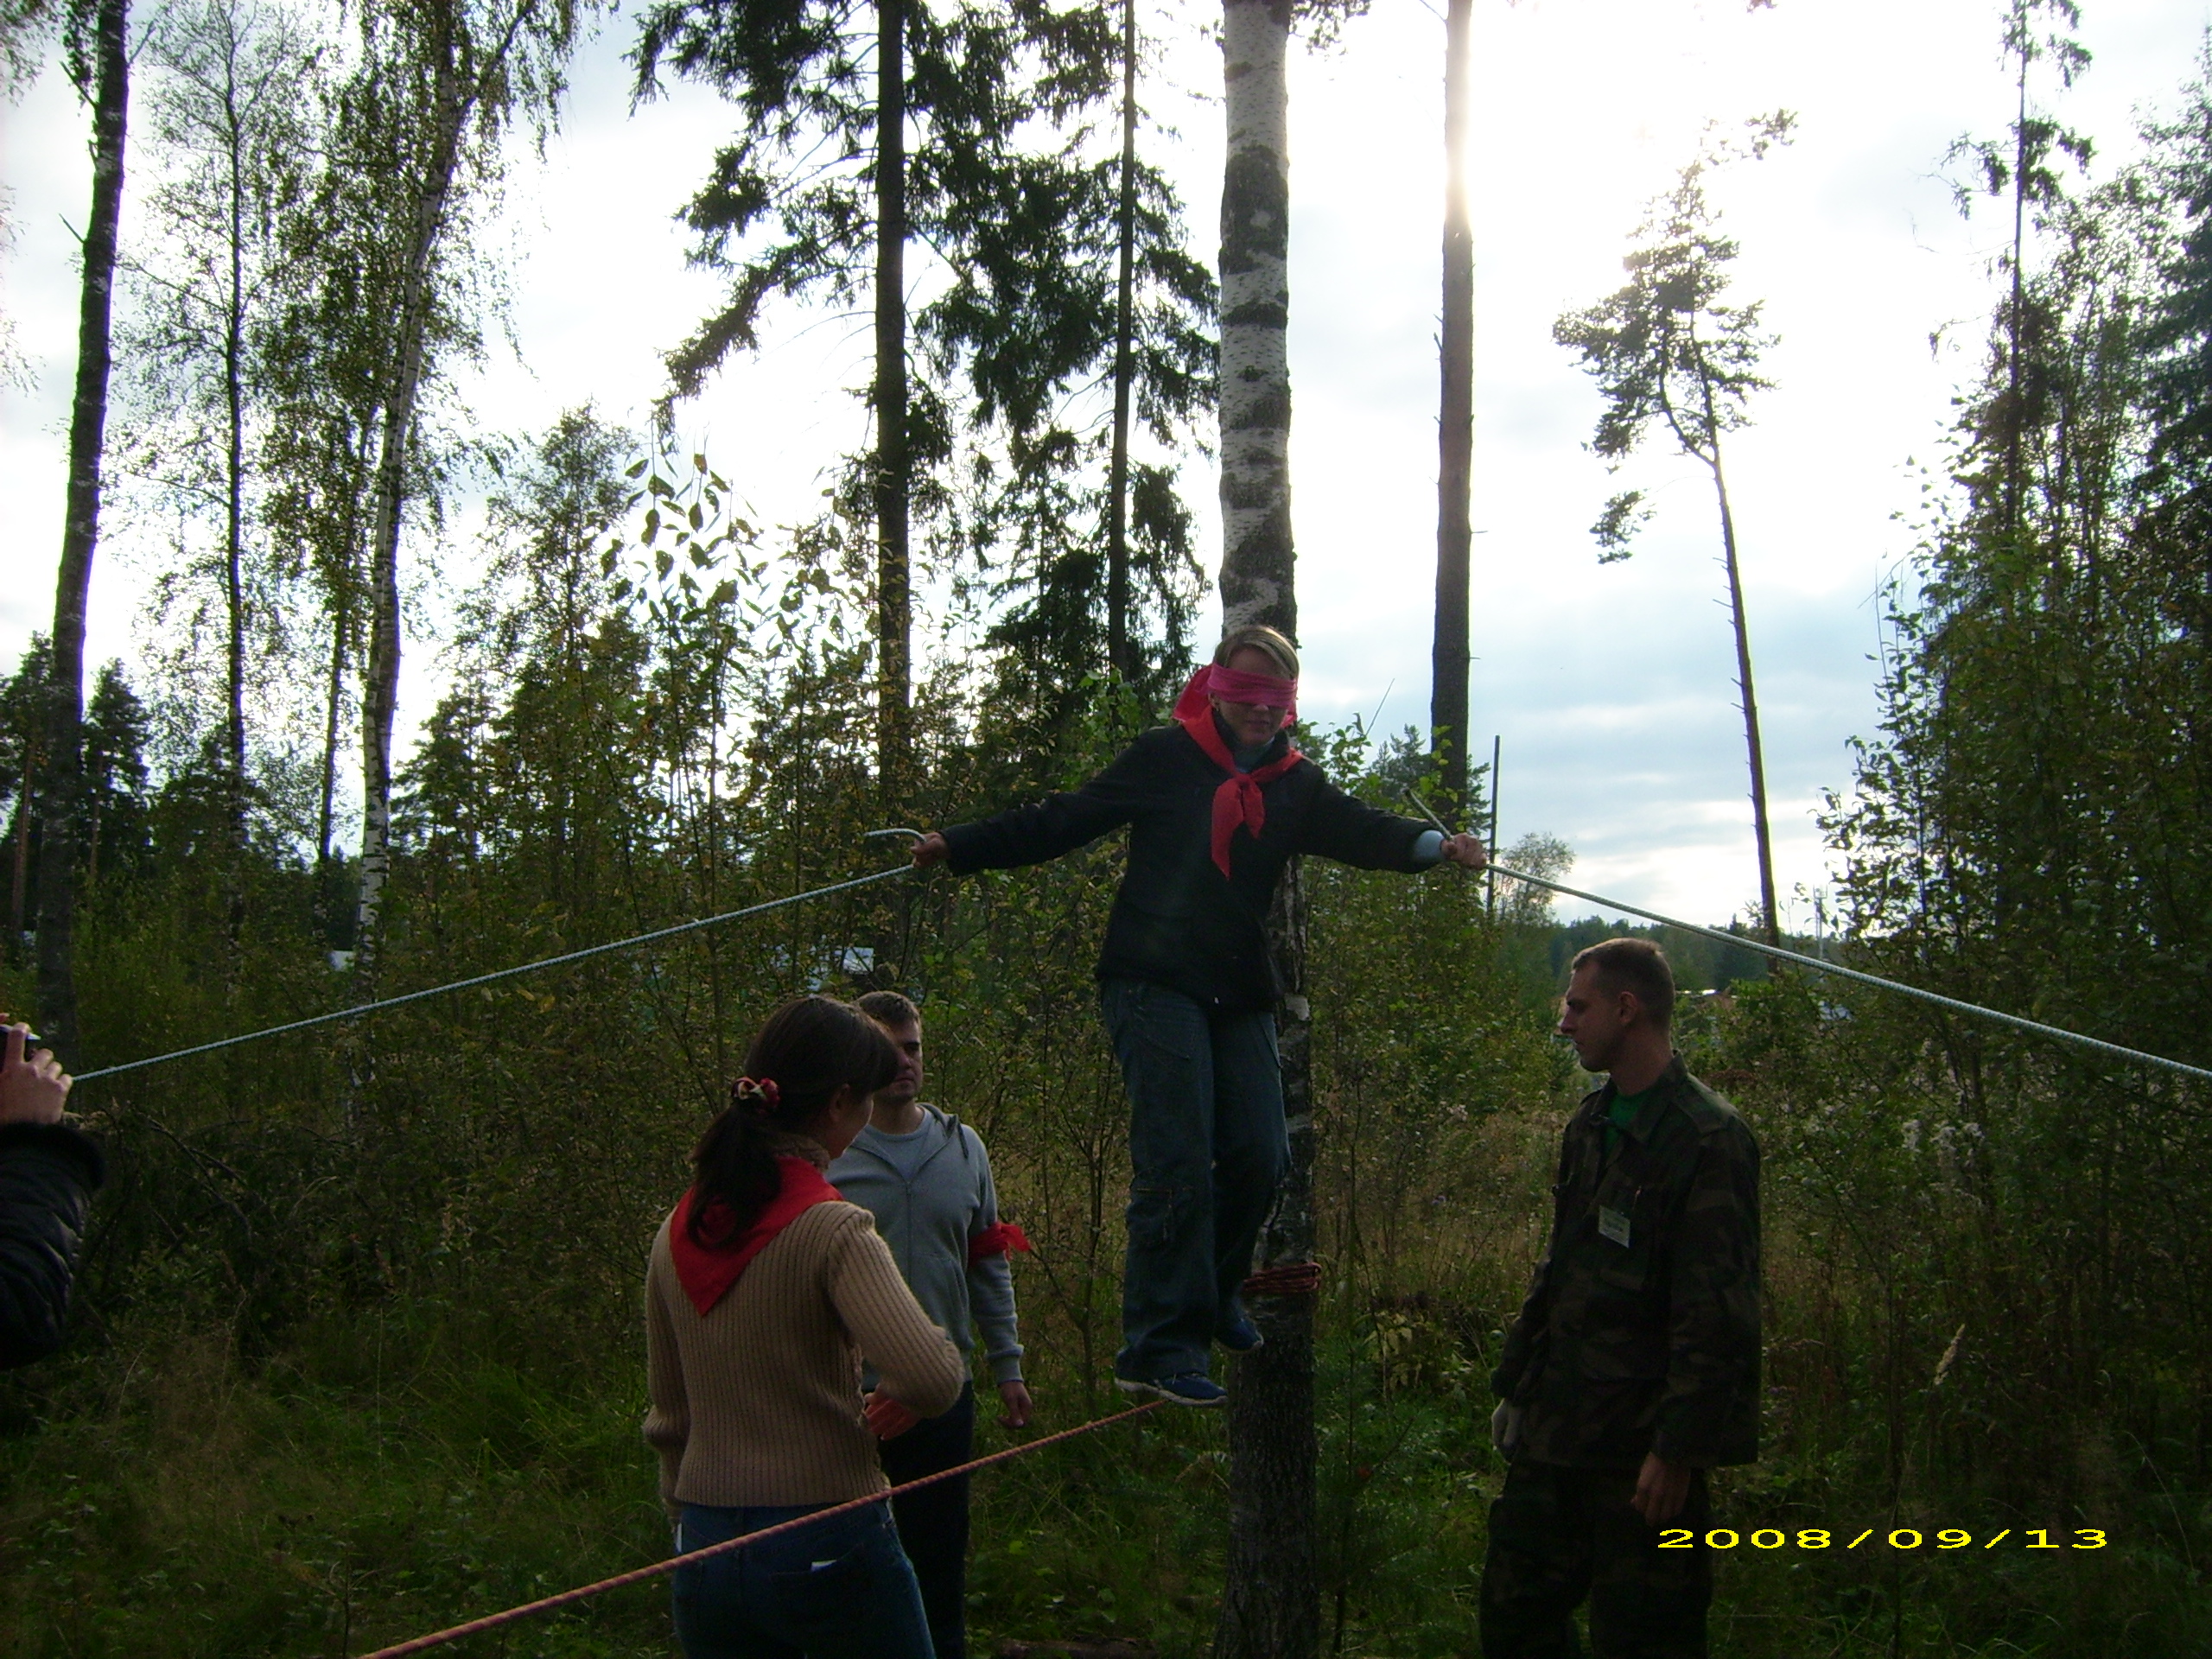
x,y
706,1272
1237,801
1000,1238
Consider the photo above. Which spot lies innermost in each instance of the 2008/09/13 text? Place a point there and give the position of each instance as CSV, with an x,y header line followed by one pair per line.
x,y
1897,1538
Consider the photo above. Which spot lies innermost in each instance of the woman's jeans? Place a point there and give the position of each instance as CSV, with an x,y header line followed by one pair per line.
x,y
840,1589
1207,1147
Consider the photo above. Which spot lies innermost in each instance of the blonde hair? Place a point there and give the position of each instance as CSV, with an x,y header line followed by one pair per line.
x,y
1254,637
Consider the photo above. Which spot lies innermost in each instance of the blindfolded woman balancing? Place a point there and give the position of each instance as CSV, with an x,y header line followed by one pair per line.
x,y
1217,804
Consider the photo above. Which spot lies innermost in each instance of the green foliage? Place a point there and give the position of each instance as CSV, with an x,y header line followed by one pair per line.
x,y
2023,835
116,830
1008,191
2023,165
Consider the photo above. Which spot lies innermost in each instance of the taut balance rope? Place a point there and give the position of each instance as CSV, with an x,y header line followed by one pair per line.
x,y
658,1569
2036,1027
362,1009
2055,1033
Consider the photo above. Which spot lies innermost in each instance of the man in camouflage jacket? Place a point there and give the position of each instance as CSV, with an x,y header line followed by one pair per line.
x,y
1634,1365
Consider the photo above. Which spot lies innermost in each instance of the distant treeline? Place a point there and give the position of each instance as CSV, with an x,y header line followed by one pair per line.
x,y
1699,964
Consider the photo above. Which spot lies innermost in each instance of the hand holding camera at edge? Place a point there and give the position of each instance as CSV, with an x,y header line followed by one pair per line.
x,y
31,1086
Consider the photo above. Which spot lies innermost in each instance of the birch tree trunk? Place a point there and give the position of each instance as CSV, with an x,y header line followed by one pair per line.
x,y
1257,563
234,484
475,77
1448,656
1270,1606
332,714
894,485
57,873
396,431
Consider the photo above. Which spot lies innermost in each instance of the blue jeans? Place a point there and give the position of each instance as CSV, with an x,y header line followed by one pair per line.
x,y
1207,1146
841,1589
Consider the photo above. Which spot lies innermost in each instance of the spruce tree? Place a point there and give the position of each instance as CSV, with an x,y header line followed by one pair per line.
x,y
1026,228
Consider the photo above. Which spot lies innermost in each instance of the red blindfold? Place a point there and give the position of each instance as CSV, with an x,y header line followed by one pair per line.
x,y
1231,685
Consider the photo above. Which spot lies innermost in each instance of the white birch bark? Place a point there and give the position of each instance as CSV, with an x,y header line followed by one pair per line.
x,y
380,703
465,77
1269,1605
1257,554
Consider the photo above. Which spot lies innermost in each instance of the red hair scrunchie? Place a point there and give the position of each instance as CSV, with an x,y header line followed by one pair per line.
x,y
761,1093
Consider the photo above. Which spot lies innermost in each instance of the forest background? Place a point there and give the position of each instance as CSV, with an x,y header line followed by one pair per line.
x,y
357,1346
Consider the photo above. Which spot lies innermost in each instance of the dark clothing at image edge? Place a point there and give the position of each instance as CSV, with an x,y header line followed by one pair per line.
x,y
48,1173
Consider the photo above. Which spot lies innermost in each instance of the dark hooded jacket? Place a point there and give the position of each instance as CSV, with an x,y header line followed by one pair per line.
x,y
1176,920
48,1173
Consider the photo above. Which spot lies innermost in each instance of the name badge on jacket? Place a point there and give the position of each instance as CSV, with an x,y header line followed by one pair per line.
x,y
1614,1224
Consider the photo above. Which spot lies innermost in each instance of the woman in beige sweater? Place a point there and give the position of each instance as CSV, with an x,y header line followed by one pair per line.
x,y
765,1293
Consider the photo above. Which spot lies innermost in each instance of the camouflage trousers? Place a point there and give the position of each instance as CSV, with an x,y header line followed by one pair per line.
x,y
1557,1536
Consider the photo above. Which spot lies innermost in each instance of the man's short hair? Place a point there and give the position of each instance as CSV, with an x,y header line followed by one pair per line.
x,y
889,1008
1637,966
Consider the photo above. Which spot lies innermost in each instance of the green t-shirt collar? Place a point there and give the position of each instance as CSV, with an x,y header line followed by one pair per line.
x,y
1622,1113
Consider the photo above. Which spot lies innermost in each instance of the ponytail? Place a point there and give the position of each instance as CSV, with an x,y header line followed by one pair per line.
x,y
810,1048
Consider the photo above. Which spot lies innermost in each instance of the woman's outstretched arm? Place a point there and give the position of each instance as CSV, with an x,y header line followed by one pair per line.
x,y
1058,823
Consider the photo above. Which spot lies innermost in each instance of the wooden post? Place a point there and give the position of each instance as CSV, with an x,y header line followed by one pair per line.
x,y
1447,697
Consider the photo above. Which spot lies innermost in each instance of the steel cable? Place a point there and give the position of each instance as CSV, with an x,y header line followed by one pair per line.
x,y
362,1009
2036,1026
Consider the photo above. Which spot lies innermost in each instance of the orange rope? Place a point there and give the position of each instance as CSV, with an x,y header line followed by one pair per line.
x,y
657,1569
1291,1279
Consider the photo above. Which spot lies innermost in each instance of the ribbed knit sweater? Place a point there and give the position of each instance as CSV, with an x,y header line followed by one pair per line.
x,y
758,1400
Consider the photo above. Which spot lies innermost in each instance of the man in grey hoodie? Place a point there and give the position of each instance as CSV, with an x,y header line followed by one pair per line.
x,y
925,1177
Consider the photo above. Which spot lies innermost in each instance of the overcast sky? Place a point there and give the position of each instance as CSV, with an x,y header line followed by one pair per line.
x,y
1611,687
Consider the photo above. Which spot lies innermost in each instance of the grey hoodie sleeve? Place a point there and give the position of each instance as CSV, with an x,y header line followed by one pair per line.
x,y
990,1282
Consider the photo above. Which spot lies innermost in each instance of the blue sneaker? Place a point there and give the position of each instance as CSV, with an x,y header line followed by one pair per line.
x,y
1238,1335
1185,1389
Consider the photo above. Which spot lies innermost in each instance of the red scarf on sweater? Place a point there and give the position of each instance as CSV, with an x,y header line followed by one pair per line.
x,y
707,1271
1238,799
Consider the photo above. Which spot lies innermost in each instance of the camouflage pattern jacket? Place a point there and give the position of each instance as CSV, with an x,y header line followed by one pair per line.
x,y
1641,1331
